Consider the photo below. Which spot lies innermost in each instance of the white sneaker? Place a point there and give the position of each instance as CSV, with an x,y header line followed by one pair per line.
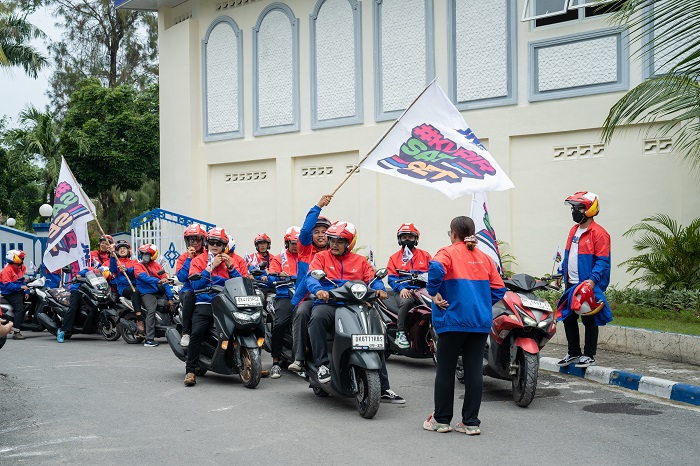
x,y
401,340
296,366
185,341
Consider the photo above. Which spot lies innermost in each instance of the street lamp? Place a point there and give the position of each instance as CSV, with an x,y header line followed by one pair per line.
x,y
11,222
46,210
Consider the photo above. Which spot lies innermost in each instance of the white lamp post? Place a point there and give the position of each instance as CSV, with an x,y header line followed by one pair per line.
x,y
46,210
11,222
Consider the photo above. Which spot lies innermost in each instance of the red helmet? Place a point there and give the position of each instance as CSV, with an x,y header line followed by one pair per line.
x,y
586,199
262,238
292,234
583,300
195,229
149,248
408,229
344,230
322,222
107,238
15,256
218,234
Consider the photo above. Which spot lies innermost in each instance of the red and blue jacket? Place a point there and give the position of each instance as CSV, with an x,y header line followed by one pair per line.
x,y
12,279
349,266
239,263
286,262
118,278
101,258
217,277
306,252
593,264
418,263
53,279
182,269
470,283
147,279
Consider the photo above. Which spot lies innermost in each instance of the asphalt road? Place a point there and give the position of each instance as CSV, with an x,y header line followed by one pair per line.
x,y
98,402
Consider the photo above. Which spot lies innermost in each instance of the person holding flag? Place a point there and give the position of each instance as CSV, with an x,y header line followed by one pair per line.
x,y
121,267
410,259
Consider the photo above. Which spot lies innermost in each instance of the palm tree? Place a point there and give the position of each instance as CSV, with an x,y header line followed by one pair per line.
x,y
15,34
673,98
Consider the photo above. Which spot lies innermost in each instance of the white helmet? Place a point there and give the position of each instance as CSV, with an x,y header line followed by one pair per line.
x,y
15,256
231,244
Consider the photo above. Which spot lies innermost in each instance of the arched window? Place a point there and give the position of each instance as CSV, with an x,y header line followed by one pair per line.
x,y
222,80
276,71
336,63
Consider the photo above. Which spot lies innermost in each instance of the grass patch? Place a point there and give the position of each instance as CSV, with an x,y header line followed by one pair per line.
x,y
663,325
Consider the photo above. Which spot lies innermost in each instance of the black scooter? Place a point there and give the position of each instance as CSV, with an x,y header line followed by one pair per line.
x,y
36,301
269,319
97,312
232,345
355,346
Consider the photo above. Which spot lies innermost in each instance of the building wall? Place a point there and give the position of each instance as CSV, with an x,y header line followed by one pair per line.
x,y
539,115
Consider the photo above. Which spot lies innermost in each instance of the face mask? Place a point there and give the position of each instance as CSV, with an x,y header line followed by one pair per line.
x,y
146,258
409,242
578,216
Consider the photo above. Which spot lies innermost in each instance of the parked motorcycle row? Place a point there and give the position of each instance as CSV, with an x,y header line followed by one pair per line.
x,y
365,327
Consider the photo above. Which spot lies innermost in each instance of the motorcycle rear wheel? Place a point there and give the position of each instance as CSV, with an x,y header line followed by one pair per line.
x,y
127,335
525,380
110,330
251,367
369,392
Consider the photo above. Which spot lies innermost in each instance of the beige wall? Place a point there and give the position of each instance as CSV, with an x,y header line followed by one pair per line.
x,y
522,138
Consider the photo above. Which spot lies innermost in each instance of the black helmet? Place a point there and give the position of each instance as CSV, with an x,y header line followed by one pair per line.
x,y
122,243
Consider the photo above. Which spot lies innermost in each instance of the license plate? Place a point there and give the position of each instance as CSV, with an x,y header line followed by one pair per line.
x,y
248,301
368,342
533,304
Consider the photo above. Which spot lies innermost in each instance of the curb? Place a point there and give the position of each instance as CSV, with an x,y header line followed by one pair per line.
x,y
668,389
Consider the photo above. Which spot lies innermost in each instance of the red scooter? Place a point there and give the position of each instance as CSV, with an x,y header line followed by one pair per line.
x,y
419,320
522,325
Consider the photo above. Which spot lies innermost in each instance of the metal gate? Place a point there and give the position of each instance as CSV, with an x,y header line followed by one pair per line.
x,y
11,238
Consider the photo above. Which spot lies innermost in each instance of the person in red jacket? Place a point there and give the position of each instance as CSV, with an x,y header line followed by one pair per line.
x,y
101,255
262,257
121,267
282,267
239,263
410,259
195,237
13,287
150,284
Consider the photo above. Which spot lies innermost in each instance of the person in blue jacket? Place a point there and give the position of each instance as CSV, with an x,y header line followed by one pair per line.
x,y
464,284
120,268
151,281
75,302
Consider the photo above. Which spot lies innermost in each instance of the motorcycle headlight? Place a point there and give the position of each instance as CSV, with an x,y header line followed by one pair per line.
x,y
246,316
527,320
358,290
545,323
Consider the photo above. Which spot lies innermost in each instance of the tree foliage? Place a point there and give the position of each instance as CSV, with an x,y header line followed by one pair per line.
x,y
673,98
670,258
15,34
118,47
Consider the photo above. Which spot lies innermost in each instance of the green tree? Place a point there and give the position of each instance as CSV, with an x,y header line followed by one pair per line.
x,y
15,34
670,257
118,47
673,98
120,127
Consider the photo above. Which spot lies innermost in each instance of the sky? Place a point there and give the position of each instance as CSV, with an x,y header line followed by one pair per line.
x,y
17,90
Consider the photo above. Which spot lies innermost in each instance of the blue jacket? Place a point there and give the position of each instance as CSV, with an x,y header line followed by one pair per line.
x,y
147,279
53,280
118,278
306,251
216,277
349,266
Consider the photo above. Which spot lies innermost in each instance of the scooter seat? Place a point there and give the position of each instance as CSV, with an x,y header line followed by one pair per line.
x,y
60,295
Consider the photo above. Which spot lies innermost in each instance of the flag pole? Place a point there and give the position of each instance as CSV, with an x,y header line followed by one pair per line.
x,y
357,167
94,214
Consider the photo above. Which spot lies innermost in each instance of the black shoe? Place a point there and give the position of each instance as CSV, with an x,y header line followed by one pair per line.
x,y
151,343
324,374
568,360
585,361
389,396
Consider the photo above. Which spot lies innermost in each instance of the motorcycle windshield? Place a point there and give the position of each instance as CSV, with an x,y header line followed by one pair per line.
x,y
98,282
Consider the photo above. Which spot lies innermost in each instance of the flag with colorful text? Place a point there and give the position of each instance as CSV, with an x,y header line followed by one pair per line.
x,y
484,230
431,145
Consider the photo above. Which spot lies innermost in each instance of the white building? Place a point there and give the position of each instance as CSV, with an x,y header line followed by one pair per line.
x,y
266,105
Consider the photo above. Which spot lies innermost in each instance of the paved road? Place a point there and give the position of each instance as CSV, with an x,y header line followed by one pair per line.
x,y
92,401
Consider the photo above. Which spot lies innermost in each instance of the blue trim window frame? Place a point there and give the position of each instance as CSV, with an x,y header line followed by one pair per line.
x,y
205,111
648,62
294,23
358,118
623,72
511,55
379,113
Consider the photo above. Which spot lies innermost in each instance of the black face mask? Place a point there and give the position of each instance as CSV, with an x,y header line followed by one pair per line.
x,y
578,216
409,242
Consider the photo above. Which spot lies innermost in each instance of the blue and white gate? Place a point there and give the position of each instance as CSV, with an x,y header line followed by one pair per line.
x,y
164,229
11,238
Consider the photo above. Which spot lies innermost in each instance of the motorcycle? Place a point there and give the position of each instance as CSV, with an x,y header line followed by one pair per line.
x,y
35,303
522,325
355,346
166,317
3,340
419,328
97,312
232,344
269,319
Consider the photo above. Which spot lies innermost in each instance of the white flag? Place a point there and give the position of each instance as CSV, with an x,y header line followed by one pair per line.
x,y
407,254
431,145
68,239
484,231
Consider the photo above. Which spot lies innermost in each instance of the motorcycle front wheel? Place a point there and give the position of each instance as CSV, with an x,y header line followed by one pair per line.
x,y
127,335
525,380
2,341
109,330
369,392
251,367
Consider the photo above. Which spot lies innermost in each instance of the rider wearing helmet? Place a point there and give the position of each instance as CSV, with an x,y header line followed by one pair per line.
x,y
121,267
195,241
283,267
261,257
239,263
13,287
586,260
76,300
213,269
410,259
101,255
151,281
312,239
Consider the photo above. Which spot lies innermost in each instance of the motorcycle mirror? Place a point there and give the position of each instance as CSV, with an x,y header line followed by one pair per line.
x,y
381,273
318,274
194,277
160,272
